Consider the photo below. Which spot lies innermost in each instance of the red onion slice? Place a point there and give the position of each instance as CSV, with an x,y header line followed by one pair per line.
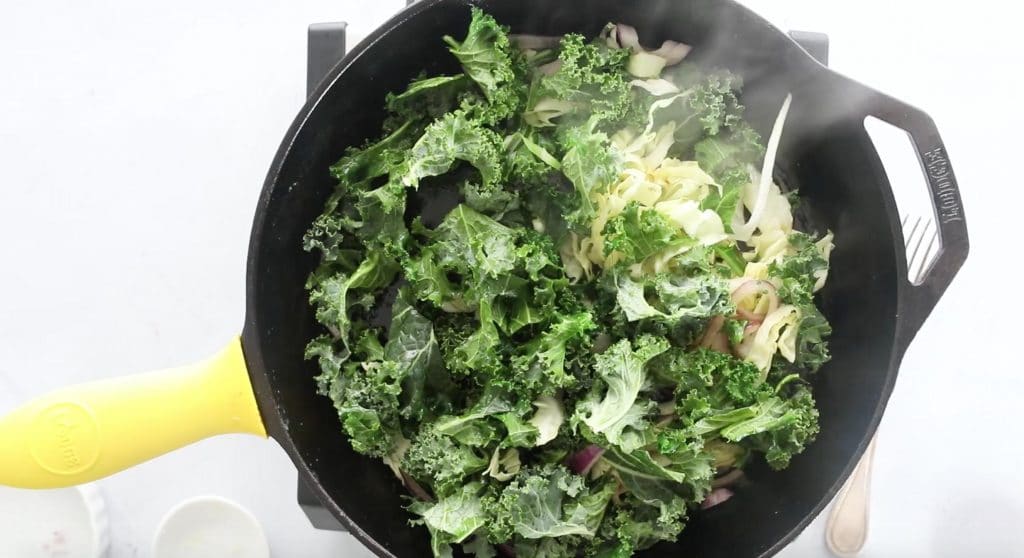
x,y
714,338
728,479
582,461
415,488
714,327
752,317
719,343
716,497
624,36
507,550
621,35
754,288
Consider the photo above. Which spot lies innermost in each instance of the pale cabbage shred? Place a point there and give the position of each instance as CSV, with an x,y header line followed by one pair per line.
x,y
550,415
675,189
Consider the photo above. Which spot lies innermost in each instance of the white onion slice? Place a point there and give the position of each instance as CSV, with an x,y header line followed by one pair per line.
x,y
645,65
746,230
749,337
657,87
673,52
551,68
714,338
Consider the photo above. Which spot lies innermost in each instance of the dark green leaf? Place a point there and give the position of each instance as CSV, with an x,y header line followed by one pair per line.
x,y
441,462
459,515
590,165
552,502
487,58
455,137
637,233
475,243
687,478
540,364
621,369
429,97
413,347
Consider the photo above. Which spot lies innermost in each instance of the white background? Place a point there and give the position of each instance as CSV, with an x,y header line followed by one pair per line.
x,y
134,138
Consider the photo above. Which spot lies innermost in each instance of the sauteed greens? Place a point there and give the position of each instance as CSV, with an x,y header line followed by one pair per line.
x,y
614,317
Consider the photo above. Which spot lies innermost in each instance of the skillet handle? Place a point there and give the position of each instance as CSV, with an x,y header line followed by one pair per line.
x,y
920,298
84,433
325,47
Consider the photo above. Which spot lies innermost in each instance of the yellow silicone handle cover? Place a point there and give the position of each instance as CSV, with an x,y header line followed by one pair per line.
x,y
84,433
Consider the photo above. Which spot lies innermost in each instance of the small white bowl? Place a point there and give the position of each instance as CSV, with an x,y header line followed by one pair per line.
x,y
61,523
210,527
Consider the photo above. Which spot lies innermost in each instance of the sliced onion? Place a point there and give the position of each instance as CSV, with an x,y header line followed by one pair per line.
x,y
415,488
717,496
507,550
535,42
582,461
625,36
620,489
720,343
750,316
747,229
714,338
657,87
545,110
728,479
645,65
673,52
550,68
667,408
621,35
714,326
749,334
755,288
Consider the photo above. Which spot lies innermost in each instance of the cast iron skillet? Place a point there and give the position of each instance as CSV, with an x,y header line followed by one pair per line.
x,y
826,153
86,432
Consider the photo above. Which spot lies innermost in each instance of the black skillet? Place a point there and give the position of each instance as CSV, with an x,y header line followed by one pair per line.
x,y
826,153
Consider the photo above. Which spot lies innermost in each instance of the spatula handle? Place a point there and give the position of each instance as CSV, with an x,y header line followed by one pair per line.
x,y
847,529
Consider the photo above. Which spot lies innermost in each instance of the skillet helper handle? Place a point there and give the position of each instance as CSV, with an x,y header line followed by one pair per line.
x,y
84,433
947,207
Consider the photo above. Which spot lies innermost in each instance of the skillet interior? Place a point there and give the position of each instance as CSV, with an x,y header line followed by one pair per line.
x,y
825,153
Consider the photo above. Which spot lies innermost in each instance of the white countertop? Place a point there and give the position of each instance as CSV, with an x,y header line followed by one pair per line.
x,y
134,139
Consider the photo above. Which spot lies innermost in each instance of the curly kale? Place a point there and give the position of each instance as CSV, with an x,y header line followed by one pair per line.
x,y
560,306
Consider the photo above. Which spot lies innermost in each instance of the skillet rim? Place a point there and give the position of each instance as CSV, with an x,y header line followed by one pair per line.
x,y
251,334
